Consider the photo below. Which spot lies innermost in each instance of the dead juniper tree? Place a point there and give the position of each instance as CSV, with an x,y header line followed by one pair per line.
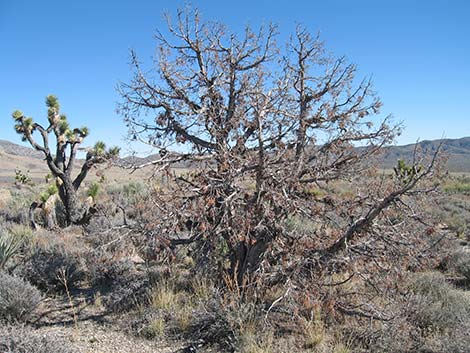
x,y
62,159
268,133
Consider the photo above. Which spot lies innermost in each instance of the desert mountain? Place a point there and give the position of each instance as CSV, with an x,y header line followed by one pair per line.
x,y
18,150
457,152
12,155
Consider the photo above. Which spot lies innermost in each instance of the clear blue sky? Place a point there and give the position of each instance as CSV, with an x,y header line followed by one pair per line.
x,y
418,53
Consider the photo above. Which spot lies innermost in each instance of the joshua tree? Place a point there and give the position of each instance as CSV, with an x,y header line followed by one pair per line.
x,y
61,161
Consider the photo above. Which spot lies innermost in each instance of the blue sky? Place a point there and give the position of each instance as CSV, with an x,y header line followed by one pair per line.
x,y
418,53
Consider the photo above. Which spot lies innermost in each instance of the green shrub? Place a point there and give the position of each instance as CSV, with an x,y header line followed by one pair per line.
x,y
18,299
93,190
50,190
22,178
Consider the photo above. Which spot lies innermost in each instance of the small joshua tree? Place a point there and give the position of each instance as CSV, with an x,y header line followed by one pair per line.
x,y
61,161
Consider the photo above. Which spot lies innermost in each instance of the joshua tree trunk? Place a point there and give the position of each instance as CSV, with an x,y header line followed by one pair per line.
x,y
69,197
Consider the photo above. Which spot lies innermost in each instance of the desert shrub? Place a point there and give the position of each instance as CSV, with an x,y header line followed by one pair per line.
x,y
457,342
458,224
205,327
51,267
124,198
460,263
438,304
21,231
18,299
19,339
130,193
224,322
458,187
121,285
126,296
117,206
105,270
17,208
454,210
434,317
215,326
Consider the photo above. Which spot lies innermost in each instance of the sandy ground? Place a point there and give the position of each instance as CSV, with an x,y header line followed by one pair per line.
x,y
91,330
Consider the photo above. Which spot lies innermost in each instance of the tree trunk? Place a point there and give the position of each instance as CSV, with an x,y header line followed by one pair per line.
x,y
69,197
246,259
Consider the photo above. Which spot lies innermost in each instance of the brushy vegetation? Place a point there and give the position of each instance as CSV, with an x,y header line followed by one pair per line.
x,y
460,263
435,318
459,186
18,299
266,241
157,298
51,264
20,339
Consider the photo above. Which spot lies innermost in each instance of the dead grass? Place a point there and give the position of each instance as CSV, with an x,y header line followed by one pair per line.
x,y
164,296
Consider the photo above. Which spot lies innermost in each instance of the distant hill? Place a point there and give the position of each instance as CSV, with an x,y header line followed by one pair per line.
x,y
456,150
18,150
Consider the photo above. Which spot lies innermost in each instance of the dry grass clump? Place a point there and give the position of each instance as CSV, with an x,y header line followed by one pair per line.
x,y
252,340
155,329
202,287
164,296
314,333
